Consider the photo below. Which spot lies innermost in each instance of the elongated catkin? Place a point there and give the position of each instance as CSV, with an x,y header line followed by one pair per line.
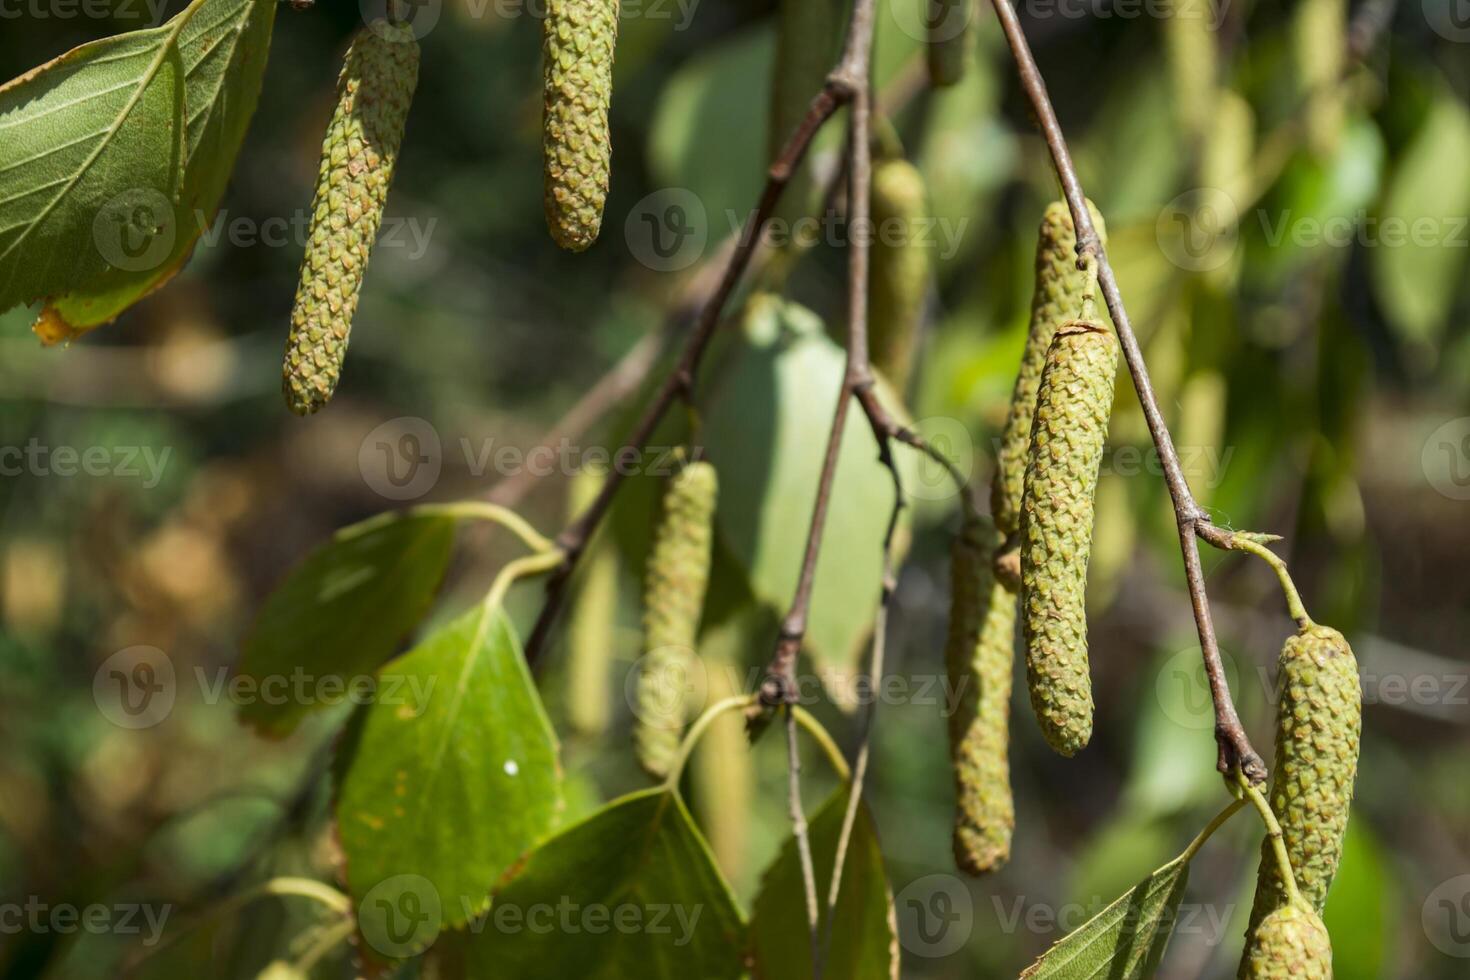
x,y
1073,403
948,41
900,269
1319,720
1290,944
1057,297
578,39
591,630
673,596
358,155
978,659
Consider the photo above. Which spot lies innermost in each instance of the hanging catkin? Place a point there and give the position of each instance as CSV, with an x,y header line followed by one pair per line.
x,y
358,155
1319,719
1073,404
1290,944
576,147
591,631
948,40
1057,297
673,596
900,269
978,657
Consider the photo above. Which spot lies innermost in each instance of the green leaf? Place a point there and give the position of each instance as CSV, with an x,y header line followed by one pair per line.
x,y
631,891
1420,264
1124,941
114,156
864,945
1362,913
450,774
761,421
341,613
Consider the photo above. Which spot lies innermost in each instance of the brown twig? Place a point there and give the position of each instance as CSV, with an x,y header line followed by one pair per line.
x,y
1235,747
573,540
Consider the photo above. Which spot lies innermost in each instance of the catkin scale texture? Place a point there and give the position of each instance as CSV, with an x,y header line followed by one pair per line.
x,y
978,658
577,50
1319,720
1290,944
900,269
673,596
1070,427
1056,298
358,155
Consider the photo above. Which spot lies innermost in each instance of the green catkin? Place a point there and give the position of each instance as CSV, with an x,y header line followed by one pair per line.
x,y
1073,403
948,41
576,147
593,624
900,269
674,586
1319,720
358,155
808,35
1290,944
978,658
1057,297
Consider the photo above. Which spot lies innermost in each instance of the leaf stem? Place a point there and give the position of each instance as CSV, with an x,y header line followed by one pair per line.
x,y
520,568
1230,810
1273,831
484,511
697,730
1251,543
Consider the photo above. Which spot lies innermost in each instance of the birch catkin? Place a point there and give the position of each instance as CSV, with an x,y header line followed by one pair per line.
x,y
1290,944
1057,297
1319,719
978,657
578,41
677,573
1073,403
593,623
358,155
948,41
900,269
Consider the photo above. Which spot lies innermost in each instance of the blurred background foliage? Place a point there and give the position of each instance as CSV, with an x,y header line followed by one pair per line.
x,y
1317,387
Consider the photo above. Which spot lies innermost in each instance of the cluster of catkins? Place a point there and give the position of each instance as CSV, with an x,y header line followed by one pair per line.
x,y
1037,543
361,147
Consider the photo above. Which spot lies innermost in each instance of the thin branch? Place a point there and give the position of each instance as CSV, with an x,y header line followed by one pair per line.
x,y
875,679
1235,746
799,831
572,541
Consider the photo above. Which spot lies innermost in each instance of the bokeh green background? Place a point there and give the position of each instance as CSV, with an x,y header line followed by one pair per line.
x,y
1317,388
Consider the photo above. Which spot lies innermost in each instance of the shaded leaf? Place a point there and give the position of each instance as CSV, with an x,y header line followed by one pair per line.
x,y
761,420
450,774
630,891
341,613
1420,259
864,929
